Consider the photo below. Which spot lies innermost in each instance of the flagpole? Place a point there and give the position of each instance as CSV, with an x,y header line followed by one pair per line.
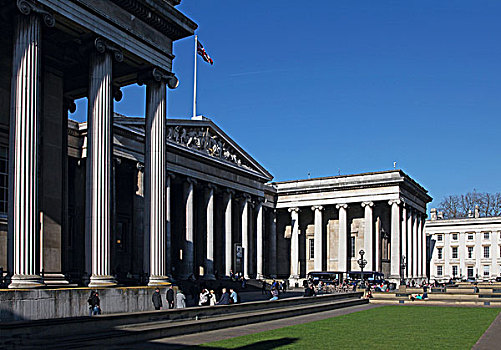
x,y
195,80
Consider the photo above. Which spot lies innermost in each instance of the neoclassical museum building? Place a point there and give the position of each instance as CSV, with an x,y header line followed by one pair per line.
x,y
122,200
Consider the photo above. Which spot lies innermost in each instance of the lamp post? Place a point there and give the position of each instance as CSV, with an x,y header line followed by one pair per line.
x,y
362,263
403,265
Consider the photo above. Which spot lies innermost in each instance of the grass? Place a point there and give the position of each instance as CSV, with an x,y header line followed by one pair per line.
x,y
387,327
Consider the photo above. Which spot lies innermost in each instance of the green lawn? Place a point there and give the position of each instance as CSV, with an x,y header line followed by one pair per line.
x,y
387,327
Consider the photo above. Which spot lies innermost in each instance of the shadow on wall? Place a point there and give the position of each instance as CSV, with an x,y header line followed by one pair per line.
x,y
9,316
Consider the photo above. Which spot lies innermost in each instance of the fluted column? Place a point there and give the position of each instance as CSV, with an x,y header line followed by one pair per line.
x,y
245,234
168,232
420,247
294,243
209,258
228,241
395,241
343,237
404,238
260,240
409,259
423,244
414,245
23,144
273,244
155,176
368,234
187,256
99,146
317,238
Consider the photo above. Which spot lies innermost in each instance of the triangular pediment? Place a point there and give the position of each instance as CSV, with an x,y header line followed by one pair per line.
x,y
204,137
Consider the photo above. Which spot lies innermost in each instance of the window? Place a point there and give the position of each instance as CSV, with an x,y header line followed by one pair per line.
x,y
352,247
312,249
454,252
470,236
486,252
454,270
486,235
439,270
486,271
470,271
4,190
454,236
439,238
470,252
439,253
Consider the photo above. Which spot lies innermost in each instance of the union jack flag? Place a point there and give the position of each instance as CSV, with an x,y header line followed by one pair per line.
x,y
201,51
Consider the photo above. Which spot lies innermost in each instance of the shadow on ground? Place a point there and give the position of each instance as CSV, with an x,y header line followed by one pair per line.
x,y
261,345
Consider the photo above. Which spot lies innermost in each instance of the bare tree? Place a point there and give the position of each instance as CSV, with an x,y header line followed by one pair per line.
x,y
461,206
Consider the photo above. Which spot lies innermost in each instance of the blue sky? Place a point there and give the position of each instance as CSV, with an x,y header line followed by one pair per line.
x,y
330,87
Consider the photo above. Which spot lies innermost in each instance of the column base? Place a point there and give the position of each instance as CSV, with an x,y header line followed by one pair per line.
x,y
102,281
395,279
159,281
259,276
26,281
209,277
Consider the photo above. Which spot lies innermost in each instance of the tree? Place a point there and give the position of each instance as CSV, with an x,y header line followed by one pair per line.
x,y
460,206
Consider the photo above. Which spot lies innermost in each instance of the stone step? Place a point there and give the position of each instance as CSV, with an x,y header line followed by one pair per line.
x,y
127,334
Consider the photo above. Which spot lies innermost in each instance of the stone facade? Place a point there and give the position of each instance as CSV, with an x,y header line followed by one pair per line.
x,y
466,248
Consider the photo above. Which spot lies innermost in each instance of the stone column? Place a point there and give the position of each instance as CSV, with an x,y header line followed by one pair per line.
x,y
343,237
23,144
414,244
209,258
421,250
318,242
409,258
294,243
273,244
187,256
155,178
168,232
245,234
395,241
260,240
404,239
368,234
100,150
228,241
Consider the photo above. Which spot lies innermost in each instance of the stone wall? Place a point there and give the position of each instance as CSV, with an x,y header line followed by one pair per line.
x,y
17,305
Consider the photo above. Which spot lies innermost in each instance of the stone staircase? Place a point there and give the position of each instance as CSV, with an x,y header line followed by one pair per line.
x,y
116,329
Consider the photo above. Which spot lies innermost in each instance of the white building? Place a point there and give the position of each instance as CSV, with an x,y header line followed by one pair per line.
x,y
467,248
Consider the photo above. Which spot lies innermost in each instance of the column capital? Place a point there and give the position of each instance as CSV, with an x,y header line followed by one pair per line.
x,y
101,45
171,175
246,197
191,181
367,204
211,186
339,206
295,209
229,192
26,7
394,201
317,207
140,166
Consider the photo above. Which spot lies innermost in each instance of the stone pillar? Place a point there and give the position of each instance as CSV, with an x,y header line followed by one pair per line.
x,y
168,232
209,258
273,244
318,241
404,238
395,241
187,256
368,234
228,241
420,246
100,150
155,178
294,243
414,245
343,237
245,234
260,240
23,145
408,271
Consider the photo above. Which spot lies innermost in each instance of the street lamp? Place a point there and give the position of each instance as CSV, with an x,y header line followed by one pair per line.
x,y
403,265
362,263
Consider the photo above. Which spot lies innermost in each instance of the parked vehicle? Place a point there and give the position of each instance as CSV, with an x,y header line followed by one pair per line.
x,y
327,277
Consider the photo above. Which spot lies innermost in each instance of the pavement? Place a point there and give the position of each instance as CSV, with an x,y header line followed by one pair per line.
x,y
194,340
491,339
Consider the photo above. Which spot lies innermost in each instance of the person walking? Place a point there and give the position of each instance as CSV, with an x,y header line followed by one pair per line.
x,y
156,298
170,297
94,303
225,298
263,288
181,299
